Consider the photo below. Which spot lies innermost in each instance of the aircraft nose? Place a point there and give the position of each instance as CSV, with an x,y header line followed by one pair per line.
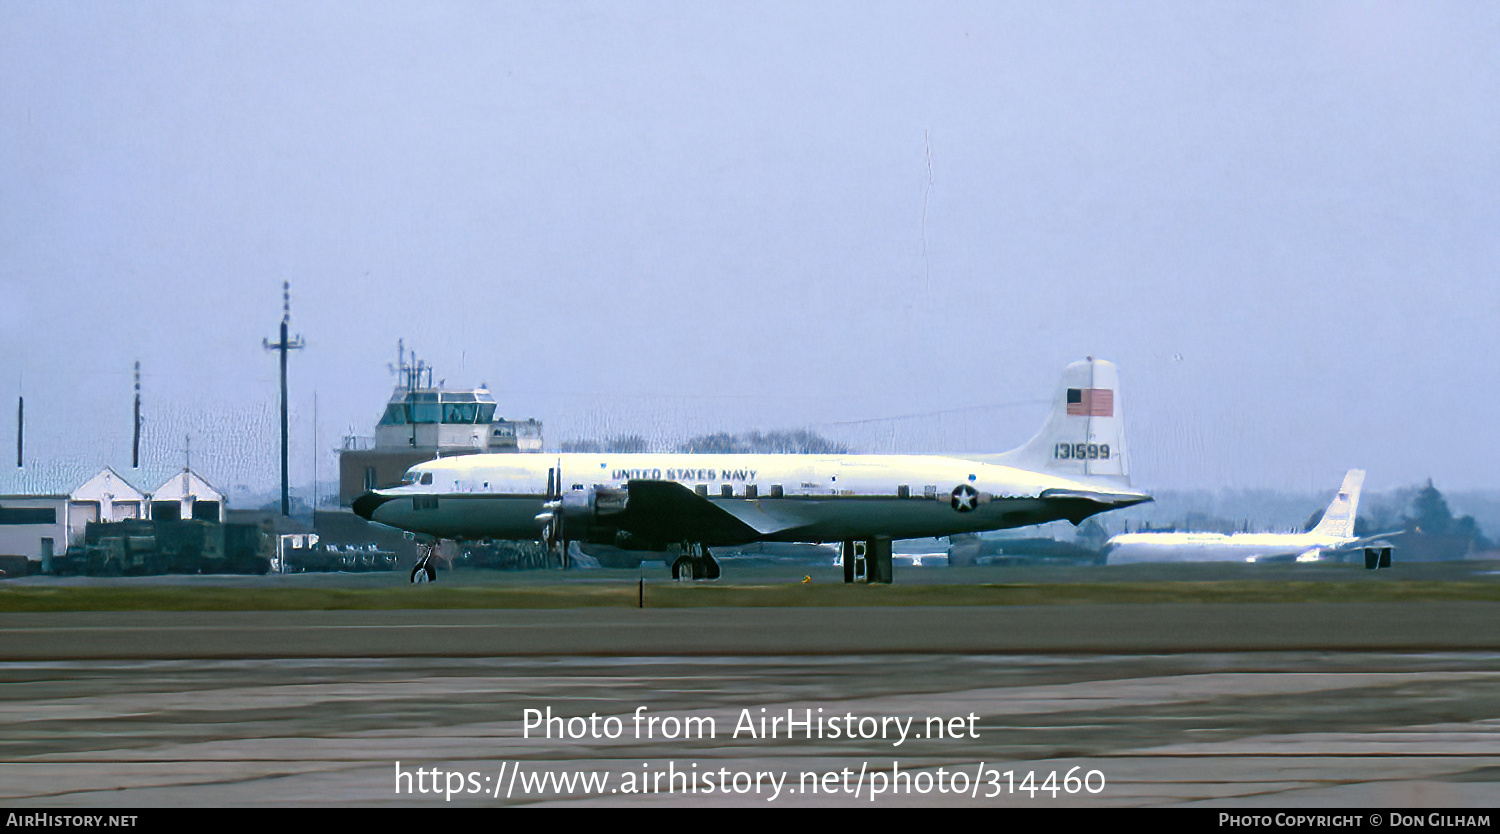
x,y
365,505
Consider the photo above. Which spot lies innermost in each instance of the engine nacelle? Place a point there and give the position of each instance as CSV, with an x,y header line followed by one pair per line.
x,y
580,511
1377,557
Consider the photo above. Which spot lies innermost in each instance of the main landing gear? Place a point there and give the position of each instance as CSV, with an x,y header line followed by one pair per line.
x,y
867,561
424,571
695,563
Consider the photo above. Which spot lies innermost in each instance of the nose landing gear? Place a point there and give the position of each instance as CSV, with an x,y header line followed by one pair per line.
x,y
424,571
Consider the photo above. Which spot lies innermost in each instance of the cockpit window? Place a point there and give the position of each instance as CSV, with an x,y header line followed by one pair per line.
x,y
426,478
409,478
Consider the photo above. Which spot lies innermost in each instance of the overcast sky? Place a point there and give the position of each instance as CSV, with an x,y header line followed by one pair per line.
x,y
1279,219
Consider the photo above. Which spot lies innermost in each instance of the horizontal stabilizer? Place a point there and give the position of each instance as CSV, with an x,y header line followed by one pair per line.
x,y
1113,499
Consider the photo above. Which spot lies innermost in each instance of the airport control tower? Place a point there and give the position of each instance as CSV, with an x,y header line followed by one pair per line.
x,y
422,422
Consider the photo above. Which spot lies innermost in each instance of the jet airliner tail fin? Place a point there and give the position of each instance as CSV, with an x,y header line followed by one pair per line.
x,y
1338,519
1085,435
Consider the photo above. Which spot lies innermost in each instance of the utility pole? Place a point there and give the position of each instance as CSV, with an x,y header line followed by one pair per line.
x,y
21,420
282,347
135,443
315,455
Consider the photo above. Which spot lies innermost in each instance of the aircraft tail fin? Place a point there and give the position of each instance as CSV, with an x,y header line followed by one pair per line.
x,y
1085,435
1338,519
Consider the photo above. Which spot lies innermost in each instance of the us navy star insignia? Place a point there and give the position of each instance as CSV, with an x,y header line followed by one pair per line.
x,y
964,498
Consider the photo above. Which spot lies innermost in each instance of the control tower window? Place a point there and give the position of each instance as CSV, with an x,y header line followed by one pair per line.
x,y
486,412
395,415
460,412
425,412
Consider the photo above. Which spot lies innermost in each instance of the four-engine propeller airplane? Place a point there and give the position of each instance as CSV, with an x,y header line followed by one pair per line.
x,y
1073,468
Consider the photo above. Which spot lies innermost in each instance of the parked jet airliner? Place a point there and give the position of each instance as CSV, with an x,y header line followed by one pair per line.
x,y
1333,535
1073,468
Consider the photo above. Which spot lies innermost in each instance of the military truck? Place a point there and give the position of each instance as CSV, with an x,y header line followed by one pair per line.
x,y
152,547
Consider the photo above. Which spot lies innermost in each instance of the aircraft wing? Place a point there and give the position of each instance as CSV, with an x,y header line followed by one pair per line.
x,y
1378,540
754,516
1353,545
667,511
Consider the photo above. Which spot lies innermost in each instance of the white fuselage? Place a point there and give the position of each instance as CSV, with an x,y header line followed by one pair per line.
x,y
787,497
1216,547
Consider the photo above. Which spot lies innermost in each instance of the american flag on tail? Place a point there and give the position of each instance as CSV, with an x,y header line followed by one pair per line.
x,y
1091,402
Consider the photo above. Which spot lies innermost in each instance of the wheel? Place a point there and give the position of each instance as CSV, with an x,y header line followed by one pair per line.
x,y
423,572
684,568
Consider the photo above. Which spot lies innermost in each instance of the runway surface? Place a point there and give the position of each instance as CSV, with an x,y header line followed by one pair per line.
x,y
1284,705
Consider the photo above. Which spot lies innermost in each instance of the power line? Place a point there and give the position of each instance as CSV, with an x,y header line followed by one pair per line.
x,y
994,406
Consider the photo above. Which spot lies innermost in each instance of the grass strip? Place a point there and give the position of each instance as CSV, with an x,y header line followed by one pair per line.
x,y
696,595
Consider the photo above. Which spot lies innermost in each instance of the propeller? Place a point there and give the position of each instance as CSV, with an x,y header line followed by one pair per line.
x,y
550,522
578,510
